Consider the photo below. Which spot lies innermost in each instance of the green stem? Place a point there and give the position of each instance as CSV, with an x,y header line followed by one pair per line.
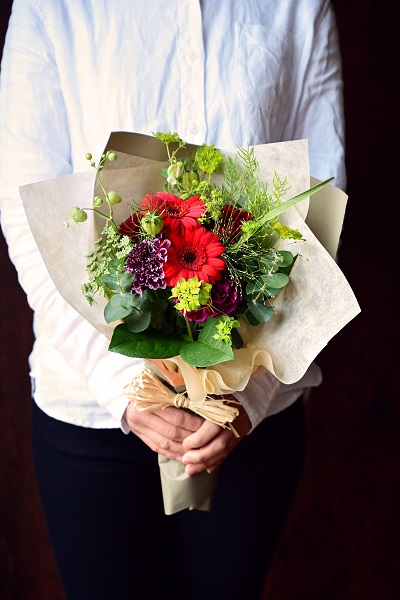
x,y
110,218
189,329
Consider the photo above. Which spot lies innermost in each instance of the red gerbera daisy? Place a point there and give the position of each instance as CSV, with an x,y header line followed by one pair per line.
x,y
177,214
194,253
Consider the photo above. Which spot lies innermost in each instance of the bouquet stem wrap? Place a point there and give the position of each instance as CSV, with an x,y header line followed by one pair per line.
x,y
147,392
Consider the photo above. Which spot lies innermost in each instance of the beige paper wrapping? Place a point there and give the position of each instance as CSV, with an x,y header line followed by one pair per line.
x,y
312,309
180,491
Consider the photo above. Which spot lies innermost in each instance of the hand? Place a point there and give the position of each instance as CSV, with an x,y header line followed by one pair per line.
x,y
208,447
163,430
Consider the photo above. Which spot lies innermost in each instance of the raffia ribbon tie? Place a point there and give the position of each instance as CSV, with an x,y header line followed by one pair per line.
x,y
147,392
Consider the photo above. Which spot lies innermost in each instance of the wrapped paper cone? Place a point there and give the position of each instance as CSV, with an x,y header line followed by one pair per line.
x,y
181,491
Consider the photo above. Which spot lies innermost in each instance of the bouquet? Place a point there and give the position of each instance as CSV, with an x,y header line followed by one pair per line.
x,y
192,266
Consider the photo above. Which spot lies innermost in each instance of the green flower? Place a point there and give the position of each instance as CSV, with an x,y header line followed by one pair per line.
x,y
224,328
191,294
208,159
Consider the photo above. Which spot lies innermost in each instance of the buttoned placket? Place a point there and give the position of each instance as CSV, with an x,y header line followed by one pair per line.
x,y
192,118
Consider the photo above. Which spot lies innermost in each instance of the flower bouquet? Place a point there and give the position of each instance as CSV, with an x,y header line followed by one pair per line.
x,y
200,265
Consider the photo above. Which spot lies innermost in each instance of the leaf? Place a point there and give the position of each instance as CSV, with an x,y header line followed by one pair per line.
x,y
249,318
140,316
111,282
114,265
138,321
274,281
125,281
207,350
261,312
145,344
118,281
236,338
287,258
274,212
119,307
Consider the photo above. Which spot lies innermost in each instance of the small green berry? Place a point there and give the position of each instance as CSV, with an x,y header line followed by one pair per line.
x,y
112,156
88,156
114,198
77,214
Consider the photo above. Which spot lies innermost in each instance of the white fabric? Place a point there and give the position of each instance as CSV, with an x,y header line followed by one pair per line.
x,y
225,72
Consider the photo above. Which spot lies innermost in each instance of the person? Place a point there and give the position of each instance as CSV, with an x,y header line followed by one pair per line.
x,y
226,73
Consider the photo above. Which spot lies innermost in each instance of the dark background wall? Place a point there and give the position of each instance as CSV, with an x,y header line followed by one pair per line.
x,y
342,537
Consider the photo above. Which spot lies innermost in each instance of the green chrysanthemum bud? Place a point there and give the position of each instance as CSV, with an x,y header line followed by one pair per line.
x,y
77,214
112,156
97,201
152,223
114,198
88,156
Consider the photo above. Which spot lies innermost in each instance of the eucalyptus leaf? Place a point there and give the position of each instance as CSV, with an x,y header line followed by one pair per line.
x,y
272,292
140,316
111,281
287,258
261,312
113,266
275,280
138,321
125,281
264,283
249,318
119,307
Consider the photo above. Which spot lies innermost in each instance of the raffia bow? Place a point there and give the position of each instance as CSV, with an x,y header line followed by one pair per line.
x,y
147,392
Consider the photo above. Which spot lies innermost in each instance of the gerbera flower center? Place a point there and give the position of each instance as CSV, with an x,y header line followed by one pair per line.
x,y
174,211
192,256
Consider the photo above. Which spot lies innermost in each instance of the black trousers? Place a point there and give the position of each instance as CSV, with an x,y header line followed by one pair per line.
x,y
102,500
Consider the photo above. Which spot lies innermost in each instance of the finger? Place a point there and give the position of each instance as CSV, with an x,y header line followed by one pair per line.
x,y
202,436
216,450
156,420
168,448
180,418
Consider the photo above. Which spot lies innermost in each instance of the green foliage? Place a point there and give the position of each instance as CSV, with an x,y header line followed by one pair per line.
x,y
105,265
208,350
145,344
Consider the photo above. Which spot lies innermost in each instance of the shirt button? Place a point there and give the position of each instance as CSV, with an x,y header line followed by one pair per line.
x,y
191,55
193,128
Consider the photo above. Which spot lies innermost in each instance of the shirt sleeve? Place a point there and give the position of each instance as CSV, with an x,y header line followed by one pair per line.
x,y
35,142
